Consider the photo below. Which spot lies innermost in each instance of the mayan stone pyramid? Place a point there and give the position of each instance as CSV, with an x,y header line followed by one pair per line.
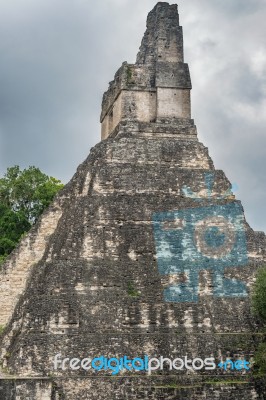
x,y
145,252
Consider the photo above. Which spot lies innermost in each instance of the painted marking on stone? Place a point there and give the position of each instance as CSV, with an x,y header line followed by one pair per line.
x,y
209,178
203,238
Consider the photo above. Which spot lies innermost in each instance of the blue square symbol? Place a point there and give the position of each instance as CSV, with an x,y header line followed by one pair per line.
x,y
202,238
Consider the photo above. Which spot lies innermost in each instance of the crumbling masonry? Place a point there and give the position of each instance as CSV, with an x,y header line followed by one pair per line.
x,y
146,251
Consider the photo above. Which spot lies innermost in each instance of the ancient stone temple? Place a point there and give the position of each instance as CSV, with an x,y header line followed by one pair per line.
x,y
145,254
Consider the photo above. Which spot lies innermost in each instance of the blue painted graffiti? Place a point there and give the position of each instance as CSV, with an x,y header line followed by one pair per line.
x,y
203,238
209,182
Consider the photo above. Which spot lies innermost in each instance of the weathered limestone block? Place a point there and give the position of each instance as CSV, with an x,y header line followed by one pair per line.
x,y
147,253
158,85
17,269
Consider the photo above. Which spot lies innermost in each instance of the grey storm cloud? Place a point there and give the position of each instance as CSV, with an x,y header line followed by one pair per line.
x,y
57,57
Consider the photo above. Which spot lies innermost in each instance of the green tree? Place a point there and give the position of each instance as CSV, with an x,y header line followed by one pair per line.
x,y
24,194
259,309
28,191
260,359
12,227
259,295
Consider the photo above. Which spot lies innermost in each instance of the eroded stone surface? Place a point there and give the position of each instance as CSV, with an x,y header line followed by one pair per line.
x,y
123,267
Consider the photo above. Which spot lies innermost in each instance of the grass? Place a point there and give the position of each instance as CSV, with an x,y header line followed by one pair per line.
x,y
131,291
2,328
129,75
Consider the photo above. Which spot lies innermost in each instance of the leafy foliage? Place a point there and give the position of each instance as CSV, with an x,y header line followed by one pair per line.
x,y
24,194
29,191
260,359
259,309
259,295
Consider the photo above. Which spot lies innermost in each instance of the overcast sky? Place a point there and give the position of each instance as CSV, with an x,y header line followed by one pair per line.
x,y
57,57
